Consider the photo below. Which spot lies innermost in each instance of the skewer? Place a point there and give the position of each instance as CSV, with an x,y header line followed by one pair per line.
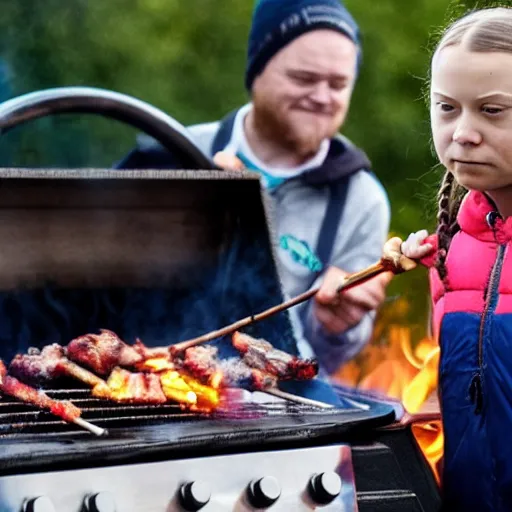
x,y
392,261
90,427
298,399
60,408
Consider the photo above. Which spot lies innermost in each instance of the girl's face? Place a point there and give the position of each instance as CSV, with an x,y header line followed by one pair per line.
x,y
471,116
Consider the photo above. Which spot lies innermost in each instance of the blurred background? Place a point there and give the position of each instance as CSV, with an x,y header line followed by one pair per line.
x,y
188,57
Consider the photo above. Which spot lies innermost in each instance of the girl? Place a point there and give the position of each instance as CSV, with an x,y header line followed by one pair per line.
x,y
471,274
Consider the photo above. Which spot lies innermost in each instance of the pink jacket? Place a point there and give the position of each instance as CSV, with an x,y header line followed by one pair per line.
x,y
473,322
470,260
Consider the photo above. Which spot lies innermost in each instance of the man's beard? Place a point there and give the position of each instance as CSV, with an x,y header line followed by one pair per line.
x,y
304,141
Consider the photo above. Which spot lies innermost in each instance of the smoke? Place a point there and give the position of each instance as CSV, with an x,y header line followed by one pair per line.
x,y
243,282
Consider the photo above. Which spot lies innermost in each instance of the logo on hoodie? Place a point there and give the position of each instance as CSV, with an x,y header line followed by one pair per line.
x,y
300,252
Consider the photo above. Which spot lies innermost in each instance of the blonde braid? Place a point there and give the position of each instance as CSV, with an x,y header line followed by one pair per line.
x,y
444,222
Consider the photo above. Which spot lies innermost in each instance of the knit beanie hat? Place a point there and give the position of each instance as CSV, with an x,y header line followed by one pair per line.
x,y
276,23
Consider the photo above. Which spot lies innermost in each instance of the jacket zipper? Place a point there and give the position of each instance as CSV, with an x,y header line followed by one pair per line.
x,y
475,389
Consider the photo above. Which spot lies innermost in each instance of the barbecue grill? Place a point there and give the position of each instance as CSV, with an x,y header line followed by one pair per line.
x,y
165,256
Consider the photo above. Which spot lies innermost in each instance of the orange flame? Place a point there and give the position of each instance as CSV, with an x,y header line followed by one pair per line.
x,y
156,364
125,386
208,397
182,388
158,381
408,374
176,388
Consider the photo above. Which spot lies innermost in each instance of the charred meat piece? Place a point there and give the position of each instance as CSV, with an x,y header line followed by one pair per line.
x,y
236,372
260,354
102,352
41,367
260,381
37,367
202,363
13,387
136,388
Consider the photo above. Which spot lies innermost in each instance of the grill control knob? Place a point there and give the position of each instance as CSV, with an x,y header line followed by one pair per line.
x,y
41,504
194,496
325,487
101,502
264,492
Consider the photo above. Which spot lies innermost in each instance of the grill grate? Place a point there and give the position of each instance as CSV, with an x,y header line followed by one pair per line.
x,y
31,439
18,418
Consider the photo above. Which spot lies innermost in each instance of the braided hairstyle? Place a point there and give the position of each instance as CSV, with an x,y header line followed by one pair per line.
x,y
449,197
483,30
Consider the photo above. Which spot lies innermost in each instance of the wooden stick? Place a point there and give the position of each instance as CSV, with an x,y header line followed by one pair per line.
x,y
392,261
90,427
183,345
298,399
364,275
351,281
81,374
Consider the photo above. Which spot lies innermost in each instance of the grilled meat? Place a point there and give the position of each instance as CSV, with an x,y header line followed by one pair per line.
x,y
102,352
37,367
260,354
41,367
194,378
202,363
13,387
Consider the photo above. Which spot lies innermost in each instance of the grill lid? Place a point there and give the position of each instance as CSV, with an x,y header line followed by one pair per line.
x,y
160,255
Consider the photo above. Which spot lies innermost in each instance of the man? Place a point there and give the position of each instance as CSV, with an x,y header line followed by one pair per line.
x,y
331,214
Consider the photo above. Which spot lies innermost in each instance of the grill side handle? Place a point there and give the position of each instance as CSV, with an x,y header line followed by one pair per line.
x,y
90,100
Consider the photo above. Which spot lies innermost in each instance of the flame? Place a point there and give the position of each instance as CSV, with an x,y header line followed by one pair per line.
x,y
157,379
176,388
216,379
125,386
188,391
408,374
156,364
208,396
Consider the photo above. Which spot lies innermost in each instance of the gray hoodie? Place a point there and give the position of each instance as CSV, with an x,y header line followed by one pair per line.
x,y
297,210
